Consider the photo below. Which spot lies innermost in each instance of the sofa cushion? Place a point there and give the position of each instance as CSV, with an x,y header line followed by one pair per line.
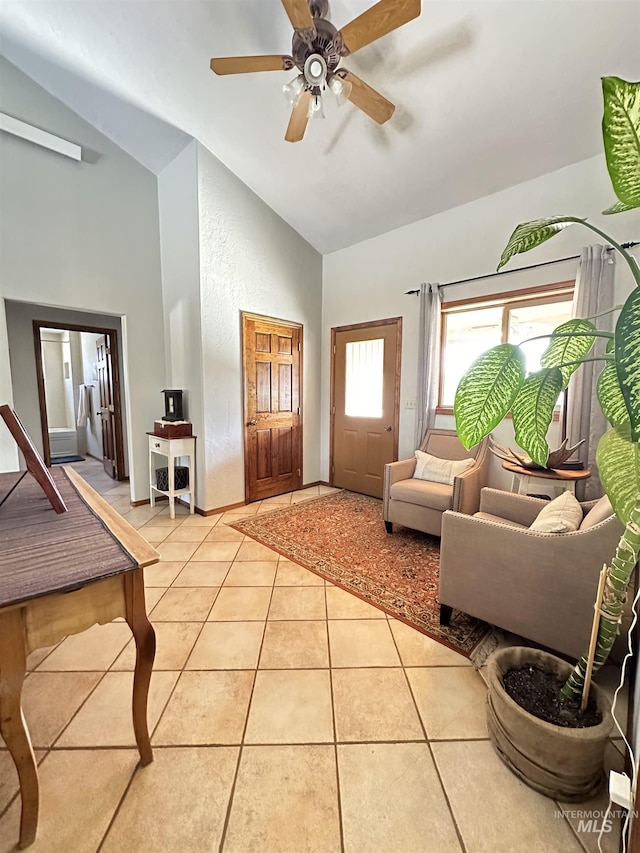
x,y
424,493
562,515
486,516
437,470
600,512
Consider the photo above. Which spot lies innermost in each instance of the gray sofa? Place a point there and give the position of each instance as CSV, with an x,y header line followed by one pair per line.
x,y
541,586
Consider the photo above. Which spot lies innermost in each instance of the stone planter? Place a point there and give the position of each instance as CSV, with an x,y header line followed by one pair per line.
x,y
566,764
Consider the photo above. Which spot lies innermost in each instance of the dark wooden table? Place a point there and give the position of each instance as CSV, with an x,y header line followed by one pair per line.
x,y
59,575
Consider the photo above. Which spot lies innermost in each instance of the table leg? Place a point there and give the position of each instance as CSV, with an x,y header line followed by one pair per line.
x,y
145,639
13,727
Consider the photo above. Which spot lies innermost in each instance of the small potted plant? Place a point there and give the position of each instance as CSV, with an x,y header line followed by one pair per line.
x,y
565,758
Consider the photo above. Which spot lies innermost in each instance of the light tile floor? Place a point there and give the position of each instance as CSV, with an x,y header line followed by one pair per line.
x,y
286,715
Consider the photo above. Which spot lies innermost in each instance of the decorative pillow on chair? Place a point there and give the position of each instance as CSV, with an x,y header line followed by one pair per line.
x,y
438,470
561,515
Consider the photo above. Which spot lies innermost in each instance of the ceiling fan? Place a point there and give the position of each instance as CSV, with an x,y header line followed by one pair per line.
x,y
317,50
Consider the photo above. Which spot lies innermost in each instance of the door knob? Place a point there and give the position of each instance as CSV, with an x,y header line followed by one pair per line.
x,y
388,429
252,423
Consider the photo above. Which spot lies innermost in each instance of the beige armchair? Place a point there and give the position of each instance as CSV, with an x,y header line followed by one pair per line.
x,y
419,504
539,585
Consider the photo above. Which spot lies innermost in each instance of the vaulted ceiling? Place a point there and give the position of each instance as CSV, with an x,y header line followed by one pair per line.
x,y
488,94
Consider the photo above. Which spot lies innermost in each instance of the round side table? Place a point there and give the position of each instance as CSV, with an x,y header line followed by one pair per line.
x,y
562,481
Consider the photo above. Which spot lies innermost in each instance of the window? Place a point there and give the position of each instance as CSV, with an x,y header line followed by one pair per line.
x,y
364,379
472,326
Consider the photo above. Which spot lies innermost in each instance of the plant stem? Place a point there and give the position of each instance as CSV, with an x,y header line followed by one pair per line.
x,y
606,357
604,313
595,334
618,576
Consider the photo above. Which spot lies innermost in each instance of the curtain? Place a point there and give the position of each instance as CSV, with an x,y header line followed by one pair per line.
x,y
428,359
593,294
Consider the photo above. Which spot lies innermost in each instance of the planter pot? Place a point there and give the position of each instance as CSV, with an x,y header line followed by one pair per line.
x,y
566,764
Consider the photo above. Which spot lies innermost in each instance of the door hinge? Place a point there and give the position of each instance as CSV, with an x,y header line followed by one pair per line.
x,y
299,347
298,410
334,349
298,472
108,350
112,408
333,410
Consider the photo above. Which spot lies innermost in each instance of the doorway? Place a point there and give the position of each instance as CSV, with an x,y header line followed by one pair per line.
x,y
365,403
78,377
272,371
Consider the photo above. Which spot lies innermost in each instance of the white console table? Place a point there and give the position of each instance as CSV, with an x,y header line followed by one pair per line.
x,y
173,449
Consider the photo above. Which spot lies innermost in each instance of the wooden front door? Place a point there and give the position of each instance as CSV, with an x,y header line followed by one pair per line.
x,y
365,404
107,408
272,358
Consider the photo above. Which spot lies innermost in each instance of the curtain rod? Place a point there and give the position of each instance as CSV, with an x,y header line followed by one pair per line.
x,y
630,245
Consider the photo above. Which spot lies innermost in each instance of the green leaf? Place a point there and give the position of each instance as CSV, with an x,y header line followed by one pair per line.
x,y
532,412
618,461
566,346
618,207
627,358
528,235
486,392
610,397
621,135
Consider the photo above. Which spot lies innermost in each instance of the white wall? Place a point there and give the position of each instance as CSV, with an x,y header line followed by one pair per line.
x,y
250,260
91,434
180,253
368,281
84,236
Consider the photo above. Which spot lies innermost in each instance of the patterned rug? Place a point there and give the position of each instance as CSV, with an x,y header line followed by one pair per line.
x,y
342,538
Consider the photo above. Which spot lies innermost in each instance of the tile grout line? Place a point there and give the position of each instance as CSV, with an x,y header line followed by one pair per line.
x,y
138,766
458,832
227,818
333,719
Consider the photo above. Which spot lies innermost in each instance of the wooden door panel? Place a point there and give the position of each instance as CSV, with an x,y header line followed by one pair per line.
x,y
107,409
273,425
285,387
263,386
362,443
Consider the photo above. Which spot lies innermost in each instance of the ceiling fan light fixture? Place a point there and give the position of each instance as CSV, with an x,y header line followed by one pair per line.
x,y
315,70
293,90
315,107
340,88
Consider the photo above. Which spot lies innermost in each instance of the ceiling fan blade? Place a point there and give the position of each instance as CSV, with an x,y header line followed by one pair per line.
x,y
383,18
299,119
367,99
299,14
245,64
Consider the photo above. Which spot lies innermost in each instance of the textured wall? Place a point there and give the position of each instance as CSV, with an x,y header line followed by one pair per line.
x,y
251,260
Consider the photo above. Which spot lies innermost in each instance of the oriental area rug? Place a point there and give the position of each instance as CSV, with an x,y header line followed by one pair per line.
x,y
342,538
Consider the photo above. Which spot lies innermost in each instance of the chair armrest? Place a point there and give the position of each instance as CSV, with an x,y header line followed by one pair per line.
x,y
467,486
393,473
518,508
396,471
466,490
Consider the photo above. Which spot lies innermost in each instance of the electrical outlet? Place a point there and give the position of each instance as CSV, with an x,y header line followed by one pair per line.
x,y
410,404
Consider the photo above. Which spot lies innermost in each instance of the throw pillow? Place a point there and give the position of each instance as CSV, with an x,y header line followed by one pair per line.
x,y
561,515
438,470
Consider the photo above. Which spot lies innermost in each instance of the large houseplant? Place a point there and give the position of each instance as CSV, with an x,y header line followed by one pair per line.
x,y
496,383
